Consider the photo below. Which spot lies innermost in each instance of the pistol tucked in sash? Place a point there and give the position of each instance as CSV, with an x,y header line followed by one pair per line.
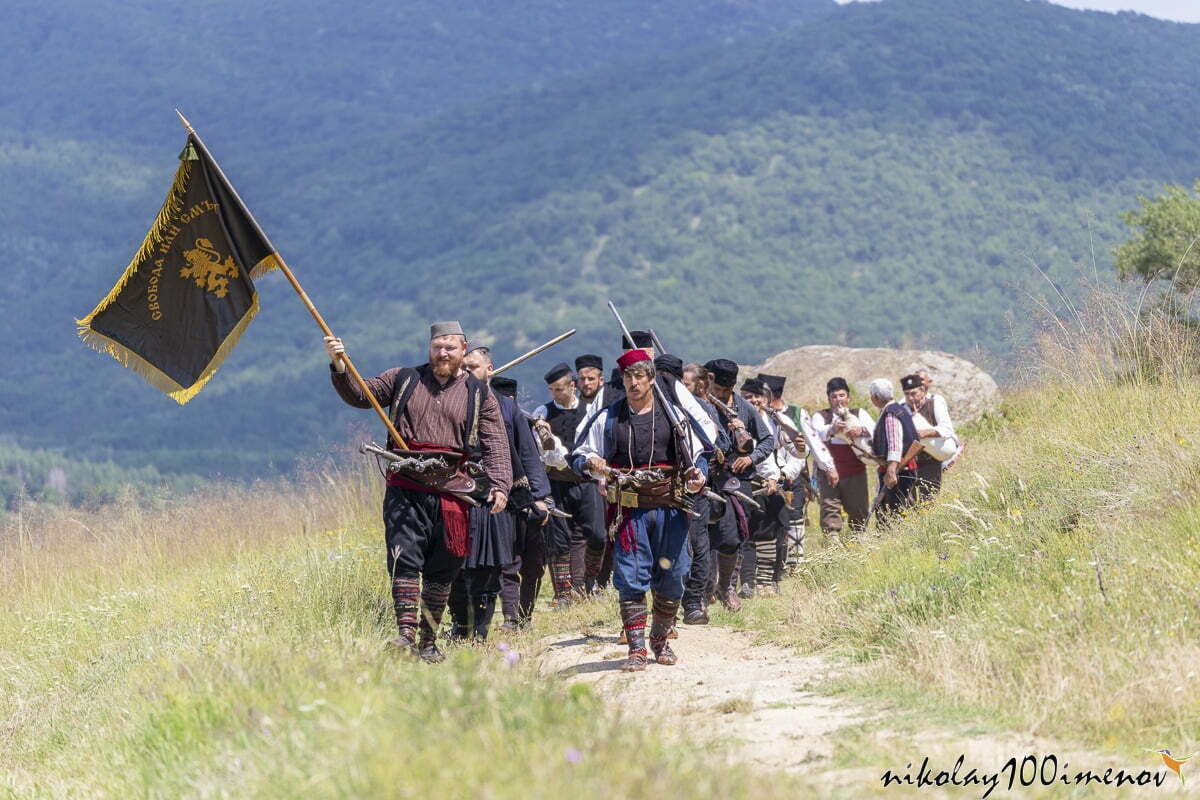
x,y
651,487
436,469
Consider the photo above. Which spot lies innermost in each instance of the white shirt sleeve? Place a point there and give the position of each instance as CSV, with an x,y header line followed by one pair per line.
x,y
823,427
820,452
593,443
688,402
941,418
557,455
767,468
793,467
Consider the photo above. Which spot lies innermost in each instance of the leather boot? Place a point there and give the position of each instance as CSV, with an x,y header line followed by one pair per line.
x,y
633,619
592,561
726,570
560,579
406,594
660,629
433,605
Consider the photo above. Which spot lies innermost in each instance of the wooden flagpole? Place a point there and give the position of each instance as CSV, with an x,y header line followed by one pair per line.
x,y
287,273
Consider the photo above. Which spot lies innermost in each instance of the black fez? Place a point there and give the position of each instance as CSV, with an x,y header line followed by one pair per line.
x,y
672,365
774,383
505,386
640,339
911,382
754,386
723,370
835,384
559,370
589,360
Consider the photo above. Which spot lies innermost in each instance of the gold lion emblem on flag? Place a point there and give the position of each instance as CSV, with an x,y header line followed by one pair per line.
x,y
207,269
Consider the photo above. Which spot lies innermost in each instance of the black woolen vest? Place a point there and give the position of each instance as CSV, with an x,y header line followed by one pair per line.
x,y
565,422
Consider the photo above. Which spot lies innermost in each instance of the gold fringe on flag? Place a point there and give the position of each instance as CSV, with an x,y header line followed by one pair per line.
x,y
263,267
170,208
152,374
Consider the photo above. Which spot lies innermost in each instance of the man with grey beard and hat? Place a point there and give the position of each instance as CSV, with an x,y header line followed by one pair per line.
x,y
932,409
445,415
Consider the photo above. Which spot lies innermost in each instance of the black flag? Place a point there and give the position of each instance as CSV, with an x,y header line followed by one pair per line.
x,y
187,295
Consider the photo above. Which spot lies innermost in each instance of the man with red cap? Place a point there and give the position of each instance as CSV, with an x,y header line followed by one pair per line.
x,y
448,415
650,467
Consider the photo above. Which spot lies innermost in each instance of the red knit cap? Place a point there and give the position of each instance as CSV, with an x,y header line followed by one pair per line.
x,y
632,357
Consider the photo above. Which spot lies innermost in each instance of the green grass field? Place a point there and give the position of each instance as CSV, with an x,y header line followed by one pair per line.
x,y
231,644
1054,587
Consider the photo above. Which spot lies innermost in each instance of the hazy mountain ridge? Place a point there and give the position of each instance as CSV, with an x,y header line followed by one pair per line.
x,y
776,179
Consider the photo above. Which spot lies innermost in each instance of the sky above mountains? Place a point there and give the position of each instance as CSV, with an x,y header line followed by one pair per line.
x,y
1175,10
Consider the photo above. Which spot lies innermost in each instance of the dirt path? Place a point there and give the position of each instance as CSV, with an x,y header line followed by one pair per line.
x,y
756,698
757,701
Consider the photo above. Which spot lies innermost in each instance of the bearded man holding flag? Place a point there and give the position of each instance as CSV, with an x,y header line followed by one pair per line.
x,y
445,412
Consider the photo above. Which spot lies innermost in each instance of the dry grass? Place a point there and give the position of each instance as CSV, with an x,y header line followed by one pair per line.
x,y
230,645
1053,586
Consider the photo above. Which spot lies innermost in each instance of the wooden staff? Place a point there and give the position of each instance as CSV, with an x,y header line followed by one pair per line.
x,y
287,273
533,352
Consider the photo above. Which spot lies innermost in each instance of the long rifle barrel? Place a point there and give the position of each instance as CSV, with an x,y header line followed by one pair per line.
x,y
534,352
681,428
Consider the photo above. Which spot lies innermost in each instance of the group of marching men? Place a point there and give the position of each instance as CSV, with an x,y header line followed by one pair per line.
x,y
667,479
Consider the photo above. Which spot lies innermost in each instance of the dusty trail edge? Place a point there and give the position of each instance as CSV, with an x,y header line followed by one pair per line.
x,y
758,704
756,699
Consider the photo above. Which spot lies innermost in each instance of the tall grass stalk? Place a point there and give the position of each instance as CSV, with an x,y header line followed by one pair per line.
x,y
230,644
1052,585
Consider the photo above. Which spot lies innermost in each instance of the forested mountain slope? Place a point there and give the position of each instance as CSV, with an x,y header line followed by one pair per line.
x,y
882,174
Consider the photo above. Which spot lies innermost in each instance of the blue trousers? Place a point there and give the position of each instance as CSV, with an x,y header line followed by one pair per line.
x,y
658,558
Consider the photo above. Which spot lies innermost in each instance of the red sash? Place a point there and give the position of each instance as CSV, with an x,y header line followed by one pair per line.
x,y
455,513
626,533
